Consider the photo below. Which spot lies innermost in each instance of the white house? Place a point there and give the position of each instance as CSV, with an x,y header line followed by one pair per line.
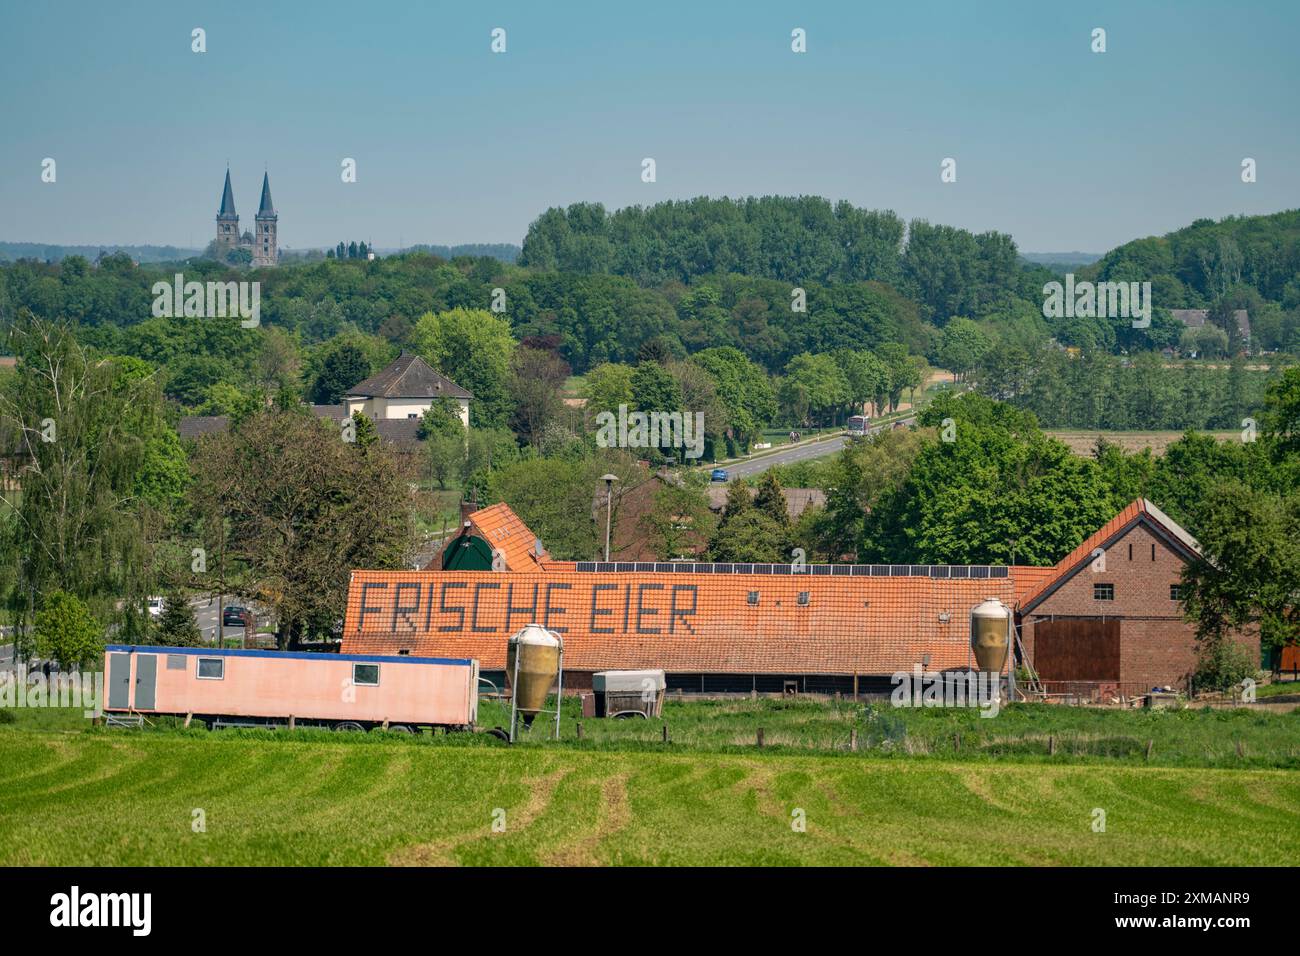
x,y
405,390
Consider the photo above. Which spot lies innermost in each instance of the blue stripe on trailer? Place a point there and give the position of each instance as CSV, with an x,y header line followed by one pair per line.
x,y
292,655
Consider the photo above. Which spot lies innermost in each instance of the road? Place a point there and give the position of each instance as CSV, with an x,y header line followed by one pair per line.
x,y
205,612
818,449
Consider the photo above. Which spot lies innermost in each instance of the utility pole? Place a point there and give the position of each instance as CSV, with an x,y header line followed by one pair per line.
x,y
609,508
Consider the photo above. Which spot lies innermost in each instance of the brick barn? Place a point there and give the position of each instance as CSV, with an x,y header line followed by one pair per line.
x,y
1110,612
1107,614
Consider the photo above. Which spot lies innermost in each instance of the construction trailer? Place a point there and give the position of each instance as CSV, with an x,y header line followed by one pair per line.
x,y
244,687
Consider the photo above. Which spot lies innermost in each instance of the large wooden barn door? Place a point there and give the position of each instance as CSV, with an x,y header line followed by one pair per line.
x,y
1077,649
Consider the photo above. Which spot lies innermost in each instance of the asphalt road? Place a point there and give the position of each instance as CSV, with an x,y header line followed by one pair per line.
x,y
818,449
205,612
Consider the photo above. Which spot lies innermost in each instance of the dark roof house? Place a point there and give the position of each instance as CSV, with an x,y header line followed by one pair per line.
x,y
408,377
1196,318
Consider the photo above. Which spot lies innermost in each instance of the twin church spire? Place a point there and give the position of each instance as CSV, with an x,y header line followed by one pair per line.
x,y
261,245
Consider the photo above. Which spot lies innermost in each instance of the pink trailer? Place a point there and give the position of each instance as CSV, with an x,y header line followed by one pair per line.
x,y
344,691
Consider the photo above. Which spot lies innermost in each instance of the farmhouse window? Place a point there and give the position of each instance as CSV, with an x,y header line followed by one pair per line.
x,y
365,675
1175,592
211,668
1103,592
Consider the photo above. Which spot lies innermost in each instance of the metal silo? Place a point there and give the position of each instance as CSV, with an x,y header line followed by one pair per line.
x,y
534,664
990,634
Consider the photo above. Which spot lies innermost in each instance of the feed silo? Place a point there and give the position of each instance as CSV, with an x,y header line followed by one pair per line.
x,y
534,664
990,634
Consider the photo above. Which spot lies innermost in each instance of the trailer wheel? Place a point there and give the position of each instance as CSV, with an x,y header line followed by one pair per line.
x,y
400,729
350,726
500,734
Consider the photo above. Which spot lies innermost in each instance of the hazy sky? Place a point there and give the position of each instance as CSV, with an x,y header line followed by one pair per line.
x,y
1064,148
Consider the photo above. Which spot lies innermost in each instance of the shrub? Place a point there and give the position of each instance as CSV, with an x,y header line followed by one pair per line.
x,y
1222,664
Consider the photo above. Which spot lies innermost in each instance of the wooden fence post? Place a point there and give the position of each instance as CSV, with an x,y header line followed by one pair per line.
x,y
1151,745
1051,745
665,733
956,743
853,739
760,736
579,729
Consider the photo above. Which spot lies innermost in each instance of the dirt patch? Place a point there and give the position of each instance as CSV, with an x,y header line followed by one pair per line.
x,y
442,852
614,815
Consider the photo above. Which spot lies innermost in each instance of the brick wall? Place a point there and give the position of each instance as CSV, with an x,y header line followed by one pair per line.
x,y
1157,647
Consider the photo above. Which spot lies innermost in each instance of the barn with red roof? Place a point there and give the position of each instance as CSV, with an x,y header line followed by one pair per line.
x,y
1107,616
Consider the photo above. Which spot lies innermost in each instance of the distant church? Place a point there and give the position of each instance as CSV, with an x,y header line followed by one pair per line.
x,y
262,245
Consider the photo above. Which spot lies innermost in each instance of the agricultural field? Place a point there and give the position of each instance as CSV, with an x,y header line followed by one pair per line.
x,y
1082,441
1024,788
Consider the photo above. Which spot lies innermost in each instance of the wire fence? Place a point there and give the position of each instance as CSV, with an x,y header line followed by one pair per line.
x,y
1095,691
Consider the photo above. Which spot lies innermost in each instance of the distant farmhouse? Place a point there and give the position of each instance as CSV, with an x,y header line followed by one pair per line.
x,y
394,399
406,389
263,244
1196,318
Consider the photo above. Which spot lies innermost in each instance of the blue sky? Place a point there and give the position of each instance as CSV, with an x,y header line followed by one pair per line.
x,y
1061,147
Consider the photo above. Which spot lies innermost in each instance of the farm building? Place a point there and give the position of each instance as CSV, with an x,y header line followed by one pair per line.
x,y
728,628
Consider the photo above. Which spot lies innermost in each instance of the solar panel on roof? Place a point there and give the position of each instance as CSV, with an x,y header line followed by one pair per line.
x,y
837,570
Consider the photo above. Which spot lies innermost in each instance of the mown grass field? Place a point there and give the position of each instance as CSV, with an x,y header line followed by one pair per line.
x,y
76,796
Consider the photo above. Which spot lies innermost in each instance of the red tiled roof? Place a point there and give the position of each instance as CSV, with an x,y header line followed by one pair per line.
x,y
1029,579
506,532
687,623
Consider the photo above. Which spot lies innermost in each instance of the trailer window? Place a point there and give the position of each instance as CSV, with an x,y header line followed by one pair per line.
x,y
366,675
211,668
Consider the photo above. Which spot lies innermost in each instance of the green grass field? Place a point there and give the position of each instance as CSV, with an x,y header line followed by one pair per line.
x,y
73,795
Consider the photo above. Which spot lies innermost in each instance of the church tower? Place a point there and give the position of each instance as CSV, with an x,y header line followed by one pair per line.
x,y
227,219
264,251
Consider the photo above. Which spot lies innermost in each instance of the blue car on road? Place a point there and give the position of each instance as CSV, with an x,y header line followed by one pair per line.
x,y
718,474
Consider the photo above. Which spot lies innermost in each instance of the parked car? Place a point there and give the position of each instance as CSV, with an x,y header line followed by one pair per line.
x,y
154,605
718,474
236,616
